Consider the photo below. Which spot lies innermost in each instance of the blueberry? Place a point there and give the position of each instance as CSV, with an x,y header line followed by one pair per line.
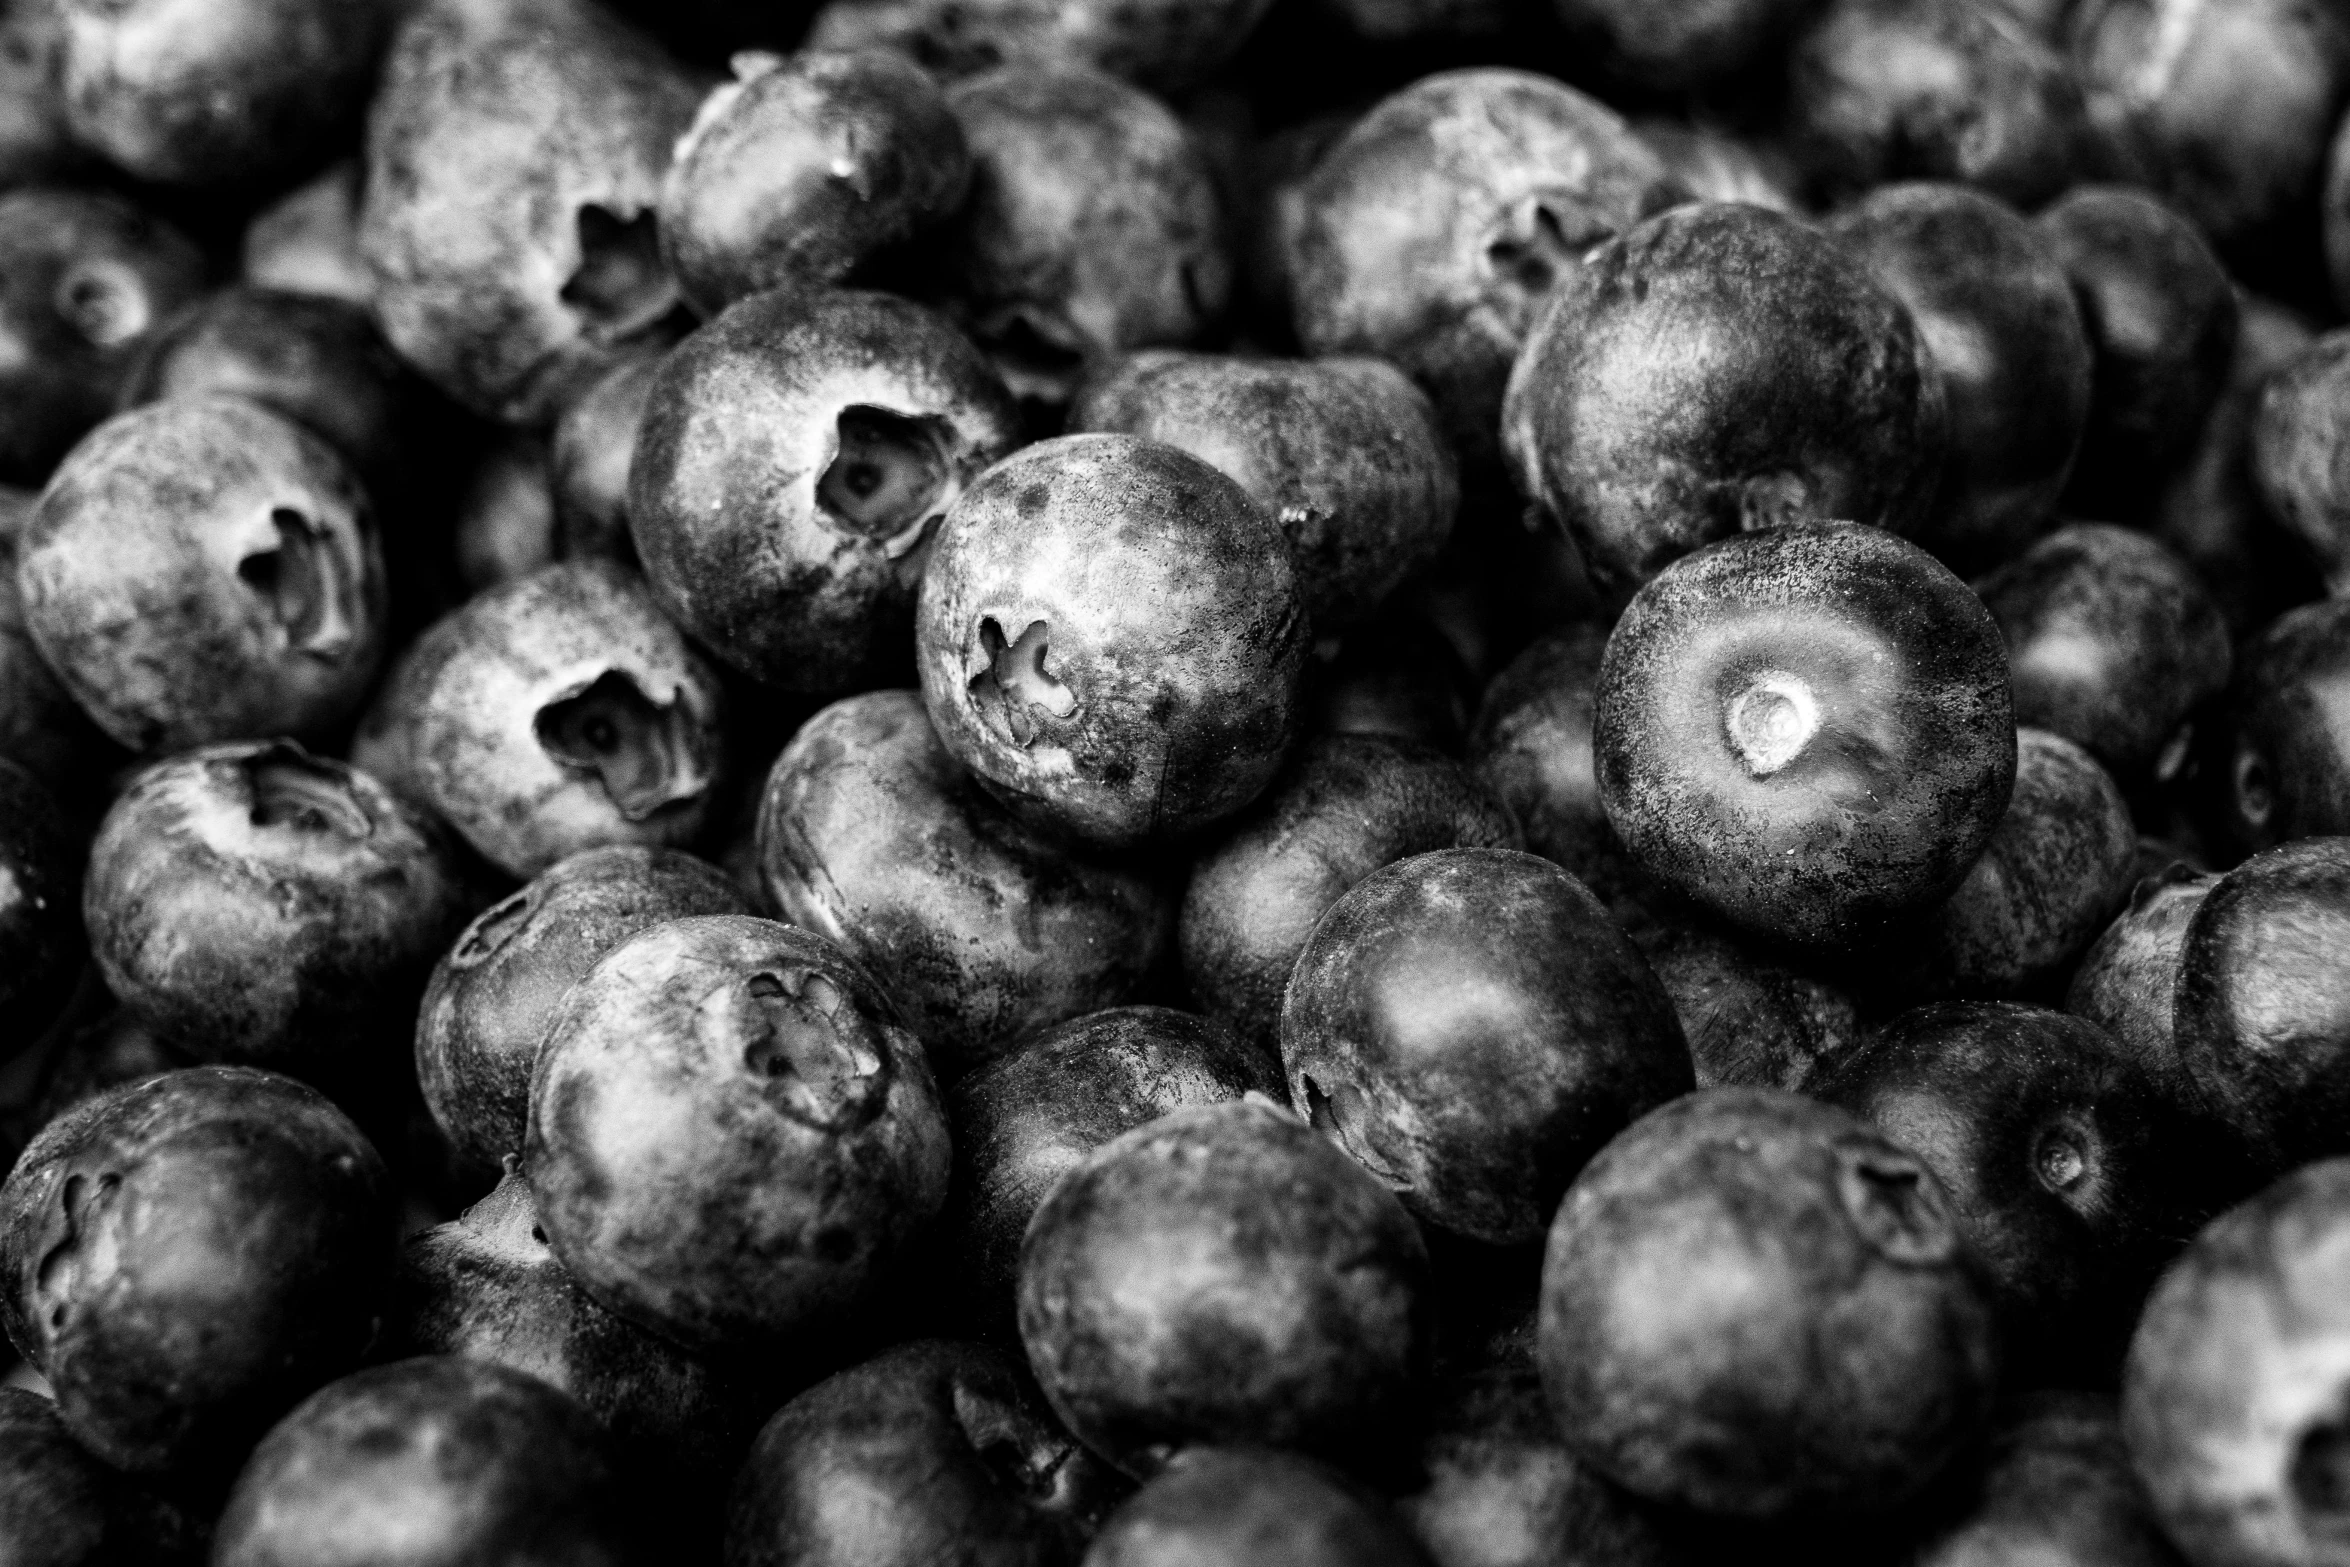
x,y
2298,441
2284,771
1681,48
60,1507
1163,44
593,448
2126,983
1752,1020
2057,1487
307,241
1227,1506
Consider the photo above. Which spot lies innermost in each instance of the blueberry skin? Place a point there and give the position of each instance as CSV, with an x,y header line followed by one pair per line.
x,y
60,1507
161,1365
2299,438
2261,1016
205,93
960,1459
1434,229
801,169
1164,1302
317,360
1348,805
554,713
871,835
307,241
2232,1398
514,161
1681,48
1345,453
1230,1506
259,905
1713,164
37,147
1111,638
594,447
1470,1026
487,1007
2058,1154
2126,983
202,570
486,1286
2057,1488
458,1461
1942,90
1717,369
84,277
42,728
794,461
2162,320
1896,696
1166,45
1030,1116
1756,1306
2286,773
1999,322
40,902
1750,1019
2057,869
809,1145
2113,643
1093,228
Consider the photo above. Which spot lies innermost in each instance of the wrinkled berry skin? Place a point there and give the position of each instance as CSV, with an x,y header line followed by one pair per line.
x,y
2127,981
40,906
1999,323
493,992
59,1507
317,360
2057,869
1165,45
486,1286
204,569
1345,453
1093,227
2162,320
457,1461
515,154
555,713
2056,1152
1234,1506
1677,48
216,92
1434,229
1809,730
871,835
950,1453
259,905
808,1142
1029,1117
593,449
2301,453
1164,1301
84,278
1719,369
794,461
2287,758
1751,1021
803,168
2261,1014
161,1363
1348,805
2057,1489
2223,108
2112,642
1757,1306
2232,1398
1470,1026
1111,638
1939,90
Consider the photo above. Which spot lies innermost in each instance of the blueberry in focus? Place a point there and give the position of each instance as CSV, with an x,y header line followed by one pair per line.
x,y
1470,1027
805,1142
951,1456
873,835
2298,437
2284,767
1164,1302
486,1010
1719,369
2127,982
1756,1306
1809,730
186,1257
1110,637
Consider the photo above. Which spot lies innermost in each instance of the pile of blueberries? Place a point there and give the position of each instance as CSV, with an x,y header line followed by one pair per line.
x,y
1175,783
